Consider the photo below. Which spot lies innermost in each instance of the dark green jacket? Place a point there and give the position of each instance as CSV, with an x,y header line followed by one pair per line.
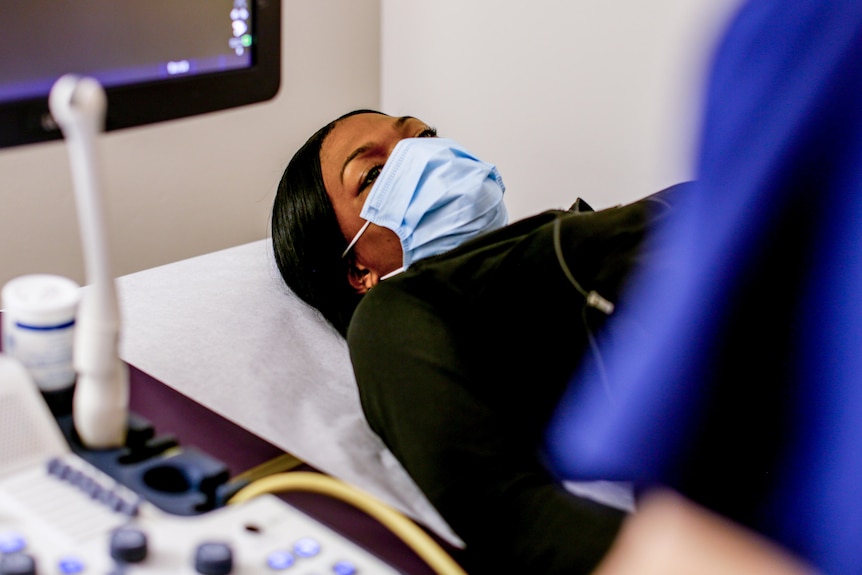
x,y
460,361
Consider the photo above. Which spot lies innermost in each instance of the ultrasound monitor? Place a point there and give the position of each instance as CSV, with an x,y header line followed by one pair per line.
x,y
72,69
156,59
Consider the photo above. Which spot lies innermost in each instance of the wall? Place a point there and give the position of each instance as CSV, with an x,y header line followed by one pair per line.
x,y
192,186
597,99
569,97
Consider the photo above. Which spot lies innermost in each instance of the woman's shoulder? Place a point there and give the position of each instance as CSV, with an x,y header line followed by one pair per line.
x,y
440,286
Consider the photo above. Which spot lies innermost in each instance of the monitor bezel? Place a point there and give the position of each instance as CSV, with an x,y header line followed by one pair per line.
x,y
28,121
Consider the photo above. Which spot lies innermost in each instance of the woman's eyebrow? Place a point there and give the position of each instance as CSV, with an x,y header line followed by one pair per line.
x,y
403,120
399,122
358,151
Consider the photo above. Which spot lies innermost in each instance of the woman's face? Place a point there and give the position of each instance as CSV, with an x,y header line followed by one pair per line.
x,y
351,158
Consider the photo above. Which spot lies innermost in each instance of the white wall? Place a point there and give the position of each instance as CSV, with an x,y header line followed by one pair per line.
x,y
193,186
569,98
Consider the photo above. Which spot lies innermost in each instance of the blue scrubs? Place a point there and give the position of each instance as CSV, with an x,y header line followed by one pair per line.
x,y
742,386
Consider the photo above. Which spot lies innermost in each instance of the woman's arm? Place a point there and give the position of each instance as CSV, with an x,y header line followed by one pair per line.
x,y
479,469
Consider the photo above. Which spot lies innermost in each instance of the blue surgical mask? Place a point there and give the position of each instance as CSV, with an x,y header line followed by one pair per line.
x,y
434,195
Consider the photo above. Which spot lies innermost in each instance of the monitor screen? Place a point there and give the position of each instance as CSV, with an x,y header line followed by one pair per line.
x,y
157,59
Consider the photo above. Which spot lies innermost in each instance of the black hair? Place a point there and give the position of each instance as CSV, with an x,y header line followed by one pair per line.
x,y
306,238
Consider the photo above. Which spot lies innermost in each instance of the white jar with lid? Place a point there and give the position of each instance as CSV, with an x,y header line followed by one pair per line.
x,y
39,313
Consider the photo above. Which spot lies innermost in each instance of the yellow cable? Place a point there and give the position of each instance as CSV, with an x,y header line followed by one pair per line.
x,y
283,462
423,545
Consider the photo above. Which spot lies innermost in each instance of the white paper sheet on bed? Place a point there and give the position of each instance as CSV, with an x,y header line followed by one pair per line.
x,y
222,329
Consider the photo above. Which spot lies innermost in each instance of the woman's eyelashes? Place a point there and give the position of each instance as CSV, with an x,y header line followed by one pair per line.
x,y
370,177
372,174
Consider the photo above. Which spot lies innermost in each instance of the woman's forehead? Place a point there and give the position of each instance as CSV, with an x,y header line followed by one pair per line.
x,y
353,132
350,132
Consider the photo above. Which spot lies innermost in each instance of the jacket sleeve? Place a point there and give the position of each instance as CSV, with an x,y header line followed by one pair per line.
x,y
473,464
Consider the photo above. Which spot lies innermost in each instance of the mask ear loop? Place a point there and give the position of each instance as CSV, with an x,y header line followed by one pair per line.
x,y
355,239
592,299
394,272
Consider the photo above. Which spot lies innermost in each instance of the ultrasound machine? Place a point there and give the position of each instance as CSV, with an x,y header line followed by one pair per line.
x,y
79,487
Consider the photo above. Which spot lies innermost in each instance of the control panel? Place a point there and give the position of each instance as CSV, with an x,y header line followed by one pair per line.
x,y
61,514
67,517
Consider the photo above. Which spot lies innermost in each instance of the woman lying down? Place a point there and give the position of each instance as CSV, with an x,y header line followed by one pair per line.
x,y
463,328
